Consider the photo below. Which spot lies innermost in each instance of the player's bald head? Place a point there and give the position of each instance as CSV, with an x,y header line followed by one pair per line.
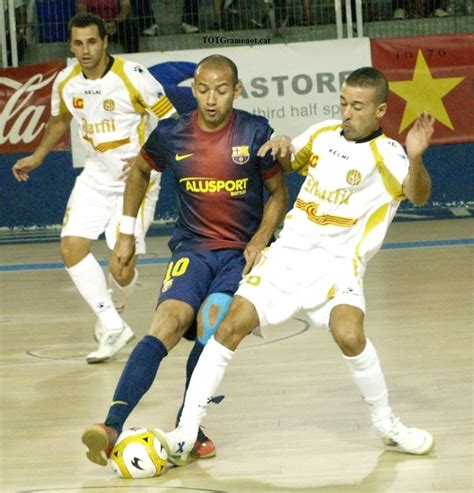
x,y
218,62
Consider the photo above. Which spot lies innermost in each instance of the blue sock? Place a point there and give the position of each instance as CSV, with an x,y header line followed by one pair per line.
x,y
137,377
193,358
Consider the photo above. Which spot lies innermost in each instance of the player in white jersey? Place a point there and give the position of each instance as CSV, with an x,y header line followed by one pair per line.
x,y
111,100
356,178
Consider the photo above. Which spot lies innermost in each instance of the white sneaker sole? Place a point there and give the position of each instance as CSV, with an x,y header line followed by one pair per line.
x,y
425,449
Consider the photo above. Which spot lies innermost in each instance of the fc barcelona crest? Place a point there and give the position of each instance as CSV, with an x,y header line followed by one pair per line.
x,y
240,154
109,104
353,177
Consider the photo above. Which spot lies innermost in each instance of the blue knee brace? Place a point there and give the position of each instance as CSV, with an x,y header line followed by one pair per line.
x,y
223,301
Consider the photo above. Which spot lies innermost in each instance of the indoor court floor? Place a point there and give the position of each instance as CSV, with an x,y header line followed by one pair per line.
x,y
292,420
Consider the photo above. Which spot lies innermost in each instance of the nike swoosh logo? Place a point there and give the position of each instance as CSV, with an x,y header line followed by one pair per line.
x,y
180,157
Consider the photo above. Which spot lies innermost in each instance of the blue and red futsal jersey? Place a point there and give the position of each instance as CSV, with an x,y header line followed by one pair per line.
x,y
219,178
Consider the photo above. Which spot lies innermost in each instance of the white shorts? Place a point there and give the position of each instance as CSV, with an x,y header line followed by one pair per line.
x,y
93,209
287,281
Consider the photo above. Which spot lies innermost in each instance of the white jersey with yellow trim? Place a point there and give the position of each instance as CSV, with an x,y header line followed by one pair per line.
x,y
351,192
112,113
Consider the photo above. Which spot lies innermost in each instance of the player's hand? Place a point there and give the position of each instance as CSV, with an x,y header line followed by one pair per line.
x,y
124,251
126,168
23,167
419,136
279,146
252,254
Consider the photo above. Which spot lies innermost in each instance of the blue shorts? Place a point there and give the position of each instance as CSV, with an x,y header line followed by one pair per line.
x,y
192,276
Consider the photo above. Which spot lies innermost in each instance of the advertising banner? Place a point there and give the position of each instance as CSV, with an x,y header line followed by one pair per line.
x,y
25,104
293,85
433,74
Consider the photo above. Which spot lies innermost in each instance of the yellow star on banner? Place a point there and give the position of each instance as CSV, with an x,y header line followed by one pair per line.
x,y
424,93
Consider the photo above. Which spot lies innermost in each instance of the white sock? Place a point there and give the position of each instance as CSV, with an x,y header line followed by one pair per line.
x,y
206,378
368,376
121,293
89,279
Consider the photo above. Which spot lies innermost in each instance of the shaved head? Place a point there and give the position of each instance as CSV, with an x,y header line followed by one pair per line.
x,y
218,62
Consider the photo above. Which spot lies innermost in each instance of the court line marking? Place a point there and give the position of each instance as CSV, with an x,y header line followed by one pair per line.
x,y
164,260
260,341
120,487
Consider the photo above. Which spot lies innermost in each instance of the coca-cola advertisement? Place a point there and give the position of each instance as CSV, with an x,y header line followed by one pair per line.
x,y
25,105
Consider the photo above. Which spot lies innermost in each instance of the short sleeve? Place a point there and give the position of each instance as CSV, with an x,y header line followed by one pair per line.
x,y
269,167
153,150
393,165
58,107
396,158
303,144
151,91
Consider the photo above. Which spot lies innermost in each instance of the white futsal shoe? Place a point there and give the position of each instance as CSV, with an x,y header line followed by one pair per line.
x,y
179,448
405,439
110,343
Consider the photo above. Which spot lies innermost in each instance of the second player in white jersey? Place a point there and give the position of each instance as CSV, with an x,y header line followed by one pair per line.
x,y
111,100
113,115
112,112
355,180
351,192
339,220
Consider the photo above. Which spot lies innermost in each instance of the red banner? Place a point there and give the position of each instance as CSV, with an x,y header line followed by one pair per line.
x,y
25,106
433,74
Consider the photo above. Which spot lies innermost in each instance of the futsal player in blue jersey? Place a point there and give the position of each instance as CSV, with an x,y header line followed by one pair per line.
x,y
223,225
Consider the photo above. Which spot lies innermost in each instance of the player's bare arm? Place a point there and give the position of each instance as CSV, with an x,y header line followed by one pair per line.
x,y
137,184
281,149
127,166
57,127
135,190
417,185
273,214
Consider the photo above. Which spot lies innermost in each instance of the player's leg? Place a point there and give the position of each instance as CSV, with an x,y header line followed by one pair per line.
x,y
172,319
122,283
228,265
347,327
118,293
258,301
208,374
89,279
88,211
184,288
210,315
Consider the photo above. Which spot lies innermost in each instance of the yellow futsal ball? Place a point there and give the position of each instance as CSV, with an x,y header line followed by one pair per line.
x,y
139,453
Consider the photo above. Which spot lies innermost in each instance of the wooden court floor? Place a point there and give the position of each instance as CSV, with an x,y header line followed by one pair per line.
x,y
292,420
